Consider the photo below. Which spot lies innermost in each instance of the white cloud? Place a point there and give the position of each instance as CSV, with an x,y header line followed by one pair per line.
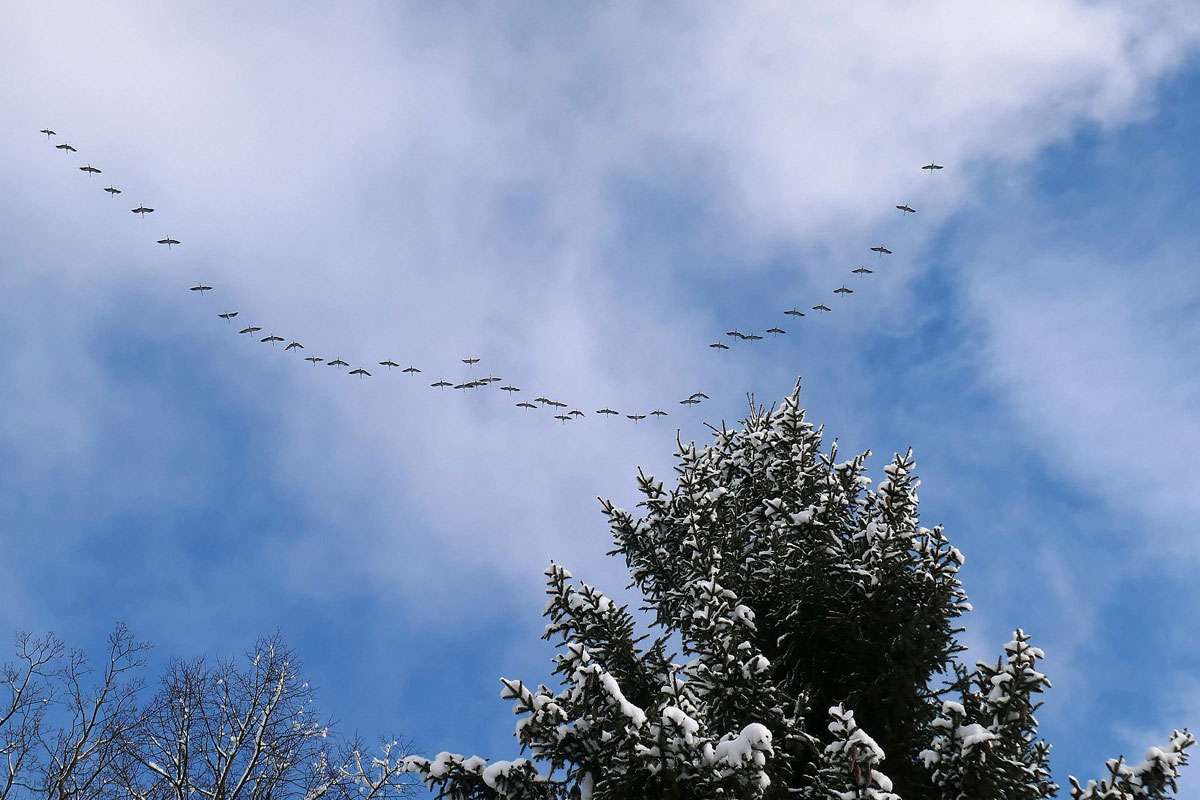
x,y
1091,349
398,184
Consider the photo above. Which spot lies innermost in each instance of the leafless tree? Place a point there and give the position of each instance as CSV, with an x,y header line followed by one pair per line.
x,y
92,713
223,731
27,689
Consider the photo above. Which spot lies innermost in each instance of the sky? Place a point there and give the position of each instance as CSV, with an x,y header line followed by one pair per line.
x,y
585,196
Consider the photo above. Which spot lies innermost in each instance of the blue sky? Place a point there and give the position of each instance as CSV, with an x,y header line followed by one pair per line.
x,y
585,198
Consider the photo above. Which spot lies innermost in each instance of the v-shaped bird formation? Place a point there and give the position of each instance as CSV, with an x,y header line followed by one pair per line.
x,y
359,372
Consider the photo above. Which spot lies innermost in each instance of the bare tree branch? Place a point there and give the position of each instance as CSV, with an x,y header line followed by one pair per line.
x,y
236,730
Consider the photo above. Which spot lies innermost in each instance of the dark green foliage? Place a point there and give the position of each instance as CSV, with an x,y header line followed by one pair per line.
x,y
815,615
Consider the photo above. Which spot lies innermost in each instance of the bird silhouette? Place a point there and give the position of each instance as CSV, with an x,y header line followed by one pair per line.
x,y
471,361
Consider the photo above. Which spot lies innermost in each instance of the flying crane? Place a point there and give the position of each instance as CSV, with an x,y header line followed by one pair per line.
x,y
843,290
90,168
250,329
272,339
114,191
293,345
719,346
169,242
142,210
48,133
821,307
228,315
794,312
200,287
66,148
360,372
337,362
881,249
906,208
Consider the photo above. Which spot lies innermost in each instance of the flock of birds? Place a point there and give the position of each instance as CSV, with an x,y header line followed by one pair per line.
x,y
481,382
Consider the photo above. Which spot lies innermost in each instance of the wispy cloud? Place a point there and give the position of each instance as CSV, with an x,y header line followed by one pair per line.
x,y
584,198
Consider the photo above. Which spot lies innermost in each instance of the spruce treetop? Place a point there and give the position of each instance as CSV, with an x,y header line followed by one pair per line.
x,y
813,615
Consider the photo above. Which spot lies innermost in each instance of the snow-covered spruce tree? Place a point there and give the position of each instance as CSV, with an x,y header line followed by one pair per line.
x,y
816,619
